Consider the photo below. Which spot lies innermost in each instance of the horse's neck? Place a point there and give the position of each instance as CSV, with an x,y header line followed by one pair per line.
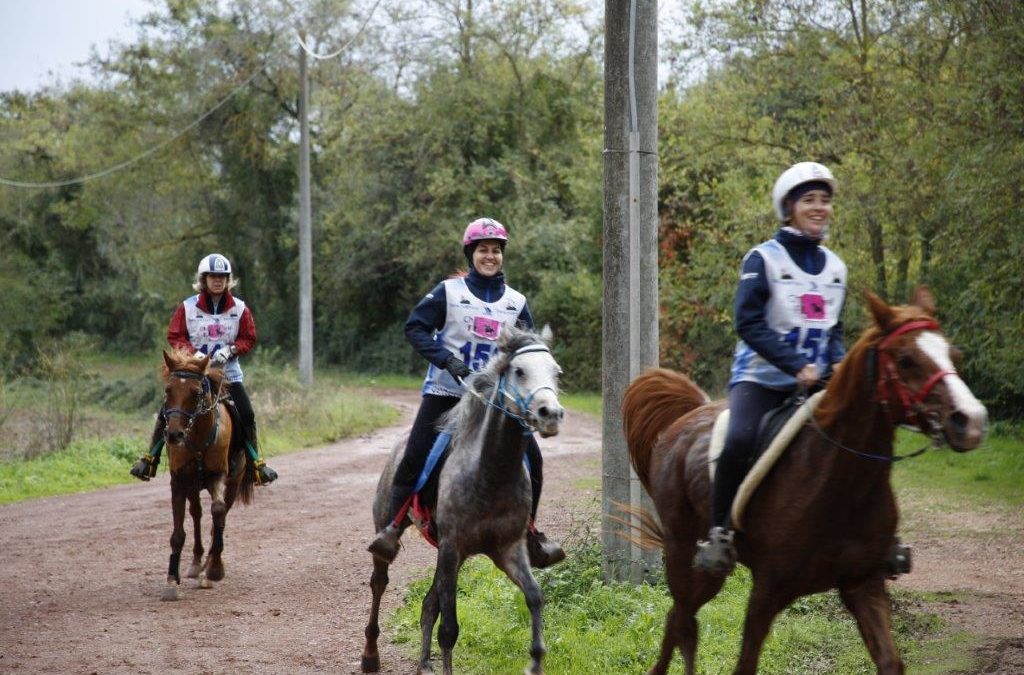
x,y
861,425
502,446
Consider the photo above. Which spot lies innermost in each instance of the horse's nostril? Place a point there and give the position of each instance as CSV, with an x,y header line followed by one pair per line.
x,y
958,420
543,411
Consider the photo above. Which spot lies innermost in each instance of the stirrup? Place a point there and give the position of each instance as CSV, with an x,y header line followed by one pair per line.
x,y
385,544
717,555
899,561
145,468
543,552
264,474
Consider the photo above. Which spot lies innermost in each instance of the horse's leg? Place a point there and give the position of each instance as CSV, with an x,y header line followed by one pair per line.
x,y
428,617
378,584
764,604
516,564
869,604
446,579
170,591
690,590
195,508
214,568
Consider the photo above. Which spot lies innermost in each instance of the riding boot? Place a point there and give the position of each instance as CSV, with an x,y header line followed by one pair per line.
x,y
717,555
145,468
385,544
899,559
264,474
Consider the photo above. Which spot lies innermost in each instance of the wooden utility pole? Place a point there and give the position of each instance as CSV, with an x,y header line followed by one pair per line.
x,y
630,332
305,231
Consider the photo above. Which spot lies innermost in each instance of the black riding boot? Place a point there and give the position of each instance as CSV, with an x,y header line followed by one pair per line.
x,y
717,555
145,468
542,551
264,474
385,544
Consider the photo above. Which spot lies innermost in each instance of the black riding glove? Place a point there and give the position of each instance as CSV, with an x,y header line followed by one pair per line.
x,y
456,367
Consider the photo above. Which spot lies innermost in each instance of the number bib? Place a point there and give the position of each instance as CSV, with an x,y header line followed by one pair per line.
x,y
471,330
802,308
209,332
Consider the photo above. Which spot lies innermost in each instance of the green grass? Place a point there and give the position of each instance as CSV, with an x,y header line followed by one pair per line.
x,y
585,402
590,626
119,396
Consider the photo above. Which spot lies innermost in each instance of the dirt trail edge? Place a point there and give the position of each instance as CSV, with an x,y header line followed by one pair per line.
x,y
82,573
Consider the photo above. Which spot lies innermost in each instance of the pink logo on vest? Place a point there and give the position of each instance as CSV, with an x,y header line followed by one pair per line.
x,y
813,306
215,331
486,327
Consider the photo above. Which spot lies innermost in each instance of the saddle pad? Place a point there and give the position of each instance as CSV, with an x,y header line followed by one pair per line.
x,y
767,459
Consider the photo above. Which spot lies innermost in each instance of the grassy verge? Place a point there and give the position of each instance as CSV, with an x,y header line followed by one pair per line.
x,y
116,404
593,627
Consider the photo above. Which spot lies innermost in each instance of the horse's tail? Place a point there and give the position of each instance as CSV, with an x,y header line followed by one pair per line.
x,y
641,527
245,490
651,403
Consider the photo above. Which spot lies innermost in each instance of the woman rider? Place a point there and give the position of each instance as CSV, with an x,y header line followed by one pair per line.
x,y
219,325
455,327
787,315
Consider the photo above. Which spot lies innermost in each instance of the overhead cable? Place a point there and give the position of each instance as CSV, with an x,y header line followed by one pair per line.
x,y
141,156
323,57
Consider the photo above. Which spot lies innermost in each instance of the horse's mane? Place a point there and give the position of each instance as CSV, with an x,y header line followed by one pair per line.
x,y
470,409
183,360
847,388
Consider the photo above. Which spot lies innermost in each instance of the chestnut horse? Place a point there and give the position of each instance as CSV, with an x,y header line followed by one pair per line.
x,y
825,515
202,456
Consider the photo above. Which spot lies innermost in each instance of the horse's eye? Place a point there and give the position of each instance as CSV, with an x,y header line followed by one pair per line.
x,y
519,372
904,361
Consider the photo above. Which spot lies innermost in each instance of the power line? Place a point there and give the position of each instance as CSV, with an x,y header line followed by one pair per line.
x,y
339,50
141,156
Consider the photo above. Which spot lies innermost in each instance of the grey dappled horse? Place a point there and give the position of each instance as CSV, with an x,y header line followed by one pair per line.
x,y
483,503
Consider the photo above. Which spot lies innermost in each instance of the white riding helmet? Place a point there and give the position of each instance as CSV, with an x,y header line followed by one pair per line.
x,y
798,174
214,263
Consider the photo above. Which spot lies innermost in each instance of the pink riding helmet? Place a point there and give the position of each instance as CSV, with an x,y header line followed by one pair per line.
x,y
484,228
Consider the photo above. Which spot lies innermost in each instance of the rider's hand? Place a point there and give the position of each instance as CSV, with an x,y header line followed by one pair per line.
x,y
808,376
456,367
221,356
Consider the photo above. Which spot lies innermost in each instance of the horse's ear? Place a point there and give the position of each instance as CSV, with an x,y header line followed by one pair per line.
x,y
546,334
168,361
924,299
881,312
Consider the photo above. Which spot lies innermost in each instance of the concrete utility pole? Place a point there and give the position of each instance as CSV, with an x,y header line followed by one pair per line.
x,y
630,329
305,232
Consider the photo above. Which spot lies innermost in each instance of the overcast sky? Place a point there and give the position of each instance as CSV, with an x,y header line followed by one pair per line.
x,y
42,40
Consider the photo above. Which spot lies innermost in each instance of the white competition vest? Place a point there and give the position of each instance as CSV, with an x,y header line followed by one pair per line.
x,y
209,332
802,308
471,331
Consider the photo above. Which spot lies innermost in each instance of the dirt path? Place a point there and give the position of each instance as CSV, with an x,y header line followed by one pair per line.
x,y
82,573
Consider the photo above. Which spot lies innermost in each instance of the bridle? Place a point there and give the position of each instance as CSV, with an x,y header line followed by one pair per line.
x,y
509,391
903,405
895,396
206,403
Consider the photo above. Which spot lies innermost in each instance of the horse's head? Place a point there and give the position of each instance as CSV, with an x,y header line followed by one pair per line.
x,y
917,381
528,374
187,392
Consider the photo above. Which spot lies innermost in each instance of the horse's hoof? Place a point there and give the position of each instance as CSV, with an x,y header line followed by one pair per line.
x,y
169,593
193,571
204,581
371,664
215,572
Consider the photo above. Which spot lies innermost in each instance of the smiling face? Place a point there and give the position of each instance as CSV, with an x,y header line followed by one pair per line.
x,y
812,213
488,257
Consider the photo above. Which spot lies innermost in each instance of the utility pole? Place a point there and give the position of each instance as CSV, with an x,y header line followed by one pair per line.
x,y
305,231
630,331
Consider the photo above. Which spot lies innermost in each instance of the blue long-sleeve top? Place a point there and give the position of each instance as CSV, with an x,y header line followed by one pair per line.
x,y
430,315
752,297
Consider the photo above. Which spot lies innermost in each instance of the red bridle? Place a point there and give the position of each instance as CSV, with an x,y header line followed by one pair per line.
x,y
893,392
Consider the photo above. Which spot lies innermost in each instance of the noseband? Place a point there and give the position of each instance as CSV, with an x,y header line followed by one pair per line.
x,y
508,390
901,403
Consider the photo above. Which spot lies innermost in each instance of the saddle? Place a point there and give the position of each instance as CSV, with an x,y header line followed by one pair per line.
x,y
775,431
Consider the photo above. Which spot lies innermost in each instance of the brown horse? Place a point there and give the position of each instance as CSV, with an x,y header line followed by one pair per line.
x,y
825,515
202,456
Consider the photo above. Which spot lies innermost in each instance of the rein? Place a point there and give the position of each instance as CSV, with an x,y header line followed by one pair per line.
x,y
504,387
206,405
893,392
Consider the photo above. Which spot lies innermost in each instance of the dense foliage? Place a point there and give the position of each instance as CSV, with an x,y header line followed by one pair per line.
x,y
443,110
